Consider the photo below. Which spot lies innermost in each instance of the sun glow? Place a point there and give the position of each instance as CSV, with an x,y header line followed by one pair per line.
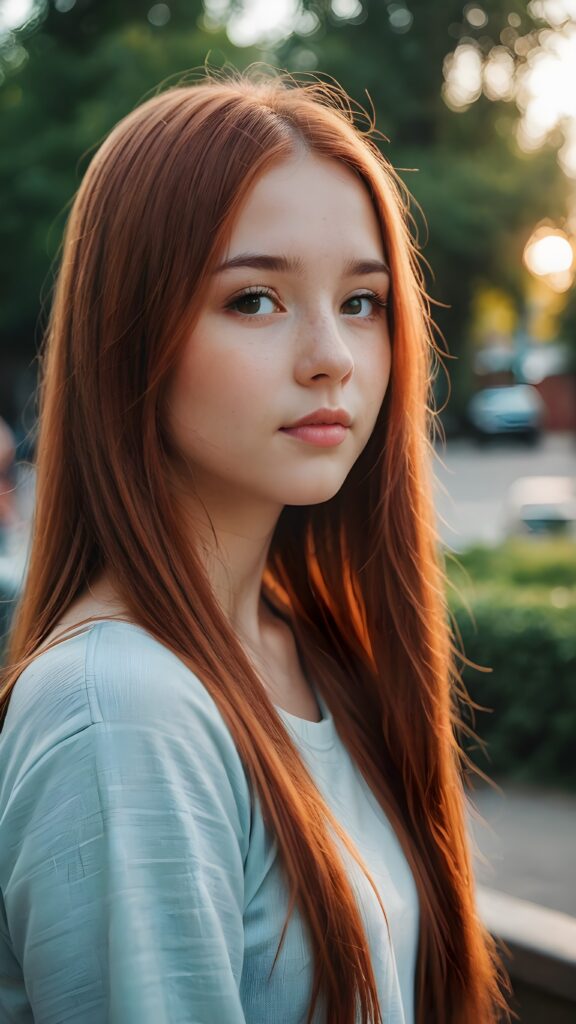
x,y
548,254
543,84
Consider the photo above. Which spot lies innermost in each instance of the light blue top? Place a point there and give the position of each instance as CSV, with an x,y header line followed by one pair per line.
x,y
138,882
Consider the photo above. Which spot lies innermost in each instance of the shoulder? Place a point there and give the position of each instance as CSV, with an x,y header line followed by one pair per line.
x,y
109,671
130,674
116,678
124,828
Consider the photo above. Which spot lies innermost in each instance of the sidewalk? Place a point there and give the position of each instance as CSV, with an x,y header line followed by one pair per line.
x,y
529,841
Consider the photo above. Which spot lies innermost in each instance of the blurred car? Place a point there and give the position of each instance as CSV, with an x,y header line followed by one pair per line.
x,y
516,409
541,505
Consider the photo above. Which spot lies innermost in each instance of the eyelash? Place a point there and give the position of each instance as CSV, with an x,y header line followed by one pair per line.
x,y
379,301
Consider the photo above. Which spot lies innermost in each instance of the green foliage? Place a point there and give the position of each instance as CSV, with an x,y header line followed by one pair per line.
x,y
70,75
83,71
514,608
539,565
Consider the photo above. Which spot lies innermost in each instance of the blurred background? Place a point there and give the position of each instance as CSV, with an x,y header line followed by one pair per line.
x,y
477,103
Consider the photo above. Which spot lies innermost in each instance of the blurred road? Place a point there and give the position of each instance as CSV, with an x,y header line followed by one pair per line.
x,y
529,840
476,479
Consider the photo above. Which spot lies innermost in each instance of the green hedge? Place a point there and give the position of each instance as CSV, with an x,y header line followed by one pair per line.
x,y
515,610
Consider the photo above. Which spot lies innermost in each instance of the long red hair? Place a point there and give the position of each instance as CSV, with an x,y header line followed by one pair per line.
x,y
361,576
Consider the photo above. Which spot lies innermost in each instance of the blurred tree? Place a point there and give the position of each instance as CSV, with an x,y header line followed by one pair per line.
x,y
77,67
70,73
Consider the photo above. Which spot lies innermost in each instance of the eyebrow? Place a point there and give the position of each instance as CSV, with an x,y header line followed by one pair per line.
x,y
295,265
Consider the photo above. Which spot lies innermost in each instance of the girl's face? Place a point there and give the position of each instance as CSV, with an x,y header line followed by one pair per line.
x,y
308,334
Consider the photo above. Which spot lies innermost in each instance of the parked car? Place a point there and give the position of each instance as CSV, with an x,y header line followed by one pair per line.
x,y
510,409
541,505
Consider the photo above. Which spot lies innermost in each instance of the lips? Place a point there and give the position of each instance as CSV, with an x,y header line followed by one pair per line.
x,y
322,417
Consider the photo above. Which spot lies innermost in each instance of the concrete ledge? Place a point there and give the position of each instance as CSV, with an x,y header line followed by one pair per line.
x,y
542,942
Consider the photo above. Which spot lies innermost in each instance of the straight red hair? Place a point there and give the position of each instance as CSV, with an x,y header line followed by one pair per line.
x,y
360,576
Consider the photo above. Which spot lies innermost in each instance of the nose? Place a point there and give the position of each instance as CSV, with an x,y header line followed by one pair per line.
x,y
322,351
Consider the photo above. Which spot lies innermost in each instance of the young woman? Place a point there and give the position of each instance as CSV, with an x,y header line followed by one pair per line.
x,y
230,786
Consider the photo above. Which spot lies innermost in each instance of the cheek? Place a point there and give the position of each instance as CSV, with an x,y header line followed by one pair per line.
x,y
375,369
217,389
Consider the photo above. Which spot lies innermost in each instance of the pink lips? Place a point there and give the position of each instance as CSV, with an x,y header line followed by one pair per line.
x,y
323,427
323,435
324,417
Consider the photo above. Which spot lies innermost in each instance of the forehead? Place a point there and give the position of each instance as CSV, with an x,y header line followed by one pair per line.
x,y
308,203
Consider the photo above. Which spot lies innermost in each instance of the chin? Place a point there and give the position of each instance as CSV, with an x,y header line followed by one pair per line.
x,y
312,495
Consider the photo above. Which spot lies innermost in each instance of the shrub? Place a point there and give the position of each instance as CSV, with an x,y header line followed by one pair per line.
x,y
514,608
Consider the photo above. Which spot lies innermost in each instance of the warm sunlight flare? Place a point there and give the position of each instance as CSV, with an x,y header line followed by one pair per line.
x,y
548,254
546,94
544,86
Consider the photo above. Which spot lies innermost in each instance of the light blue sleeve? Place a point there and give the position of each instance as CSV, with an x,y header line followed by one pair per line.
x,y
125,894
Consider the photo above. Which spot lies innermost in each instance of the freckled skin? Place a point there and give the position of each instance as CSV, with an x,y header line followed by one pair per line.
x,y
247,371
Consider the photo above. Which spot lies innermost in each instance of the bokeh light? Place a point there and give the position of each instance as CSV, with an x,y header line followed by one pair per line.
x,y
548,254
546,92
463,77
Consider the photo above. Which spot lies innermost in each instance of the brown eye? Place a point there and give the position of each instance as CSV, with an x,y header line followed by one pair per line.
x,y
252,302
357,300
